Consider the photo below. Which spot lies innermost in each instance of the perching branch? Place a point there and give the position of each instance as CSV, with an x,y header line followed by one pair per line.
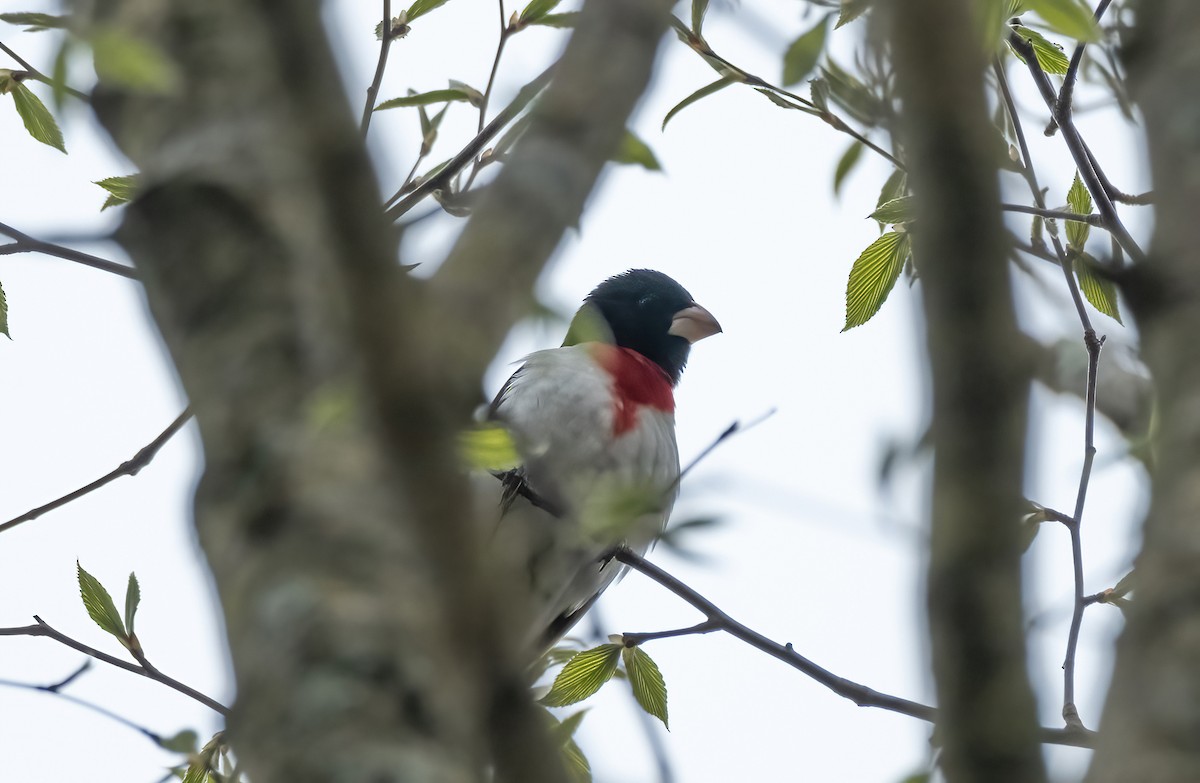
x,y
41,628
1054,214
26,244
718,620
130,467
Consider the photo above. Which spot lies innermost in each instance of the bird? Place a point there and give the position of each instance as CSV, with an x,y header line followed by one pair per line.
x,y
593,427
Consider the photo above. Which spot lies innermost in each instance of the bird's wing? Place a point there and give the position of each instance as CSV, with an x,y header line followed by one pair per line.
x,y
589,481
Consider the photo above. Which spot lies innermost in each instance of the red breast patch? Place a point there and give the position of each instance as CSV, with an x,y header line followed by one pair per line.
x,y
637,381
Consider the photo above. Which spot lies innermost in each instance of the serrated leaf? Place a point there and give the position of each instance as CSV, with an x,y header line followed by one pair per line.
x,y
424,99
37,118
851,10
649,689
873,275
561,21
197,772
1100,291
4,314
1080,201
422,7
135,64
185,741
583,675
120,189
1049,54
99,604
36,22
703,92
133,596
578,768
846,164
536,10
1068,17
801,57
898,210
635,151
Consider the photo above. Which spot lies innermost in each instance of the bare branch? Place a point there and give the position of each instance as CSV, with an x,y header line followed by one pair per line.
x,y
386,37
130,467
27,244
41,628
718,620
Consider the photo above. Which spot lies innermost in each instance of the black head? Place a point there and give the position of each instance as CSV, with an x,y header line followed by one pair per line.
x,y
650,313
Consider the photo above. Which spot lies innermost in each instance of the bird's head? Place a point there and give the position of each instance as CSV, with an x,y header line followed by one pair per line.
x,y
645,311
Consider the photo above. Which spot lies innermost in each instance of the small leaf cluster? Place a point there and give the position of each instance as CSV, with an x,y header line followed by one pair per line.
x,y
587,671
103,611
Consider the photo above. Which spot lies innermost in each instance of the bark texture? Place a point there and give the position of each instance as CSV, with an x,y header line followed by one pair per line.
x,y
986,715
1150,730
329,386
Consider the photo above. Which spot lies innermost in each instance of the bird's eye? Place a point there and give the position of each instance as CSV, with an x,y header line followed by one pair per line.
x,y
645,300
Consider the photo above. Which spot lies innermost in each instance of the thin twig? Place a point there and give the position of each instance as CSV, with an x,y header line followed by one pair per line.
x,y
37,75
702,47
859,694
473,148
505,32
55,690
1061,112
41,628
1055,214
386,37
128,468
26,244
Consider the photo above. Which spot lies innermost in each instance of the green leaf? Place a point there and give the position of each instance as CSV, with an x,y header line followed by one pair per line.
x,y
135,64
851,10
1068,17
36,22
1080,201
845,164
1049,54
4,314
898,210
893,188
422,7
1123,587
133,596
703,92
873,275
197,772
99,604
425,98
37,118
699,9
565,20
583,675
474,96
489,446
1100,291
120,189
649,689
185,741
801,57
852,95
634,150
536,10
578,768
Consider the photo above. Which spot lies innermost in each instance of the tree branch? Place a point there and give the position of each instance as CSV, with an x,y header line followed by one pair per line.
x,y
41,628
130,467
1055,214
718,620
34,73
27,244
386,37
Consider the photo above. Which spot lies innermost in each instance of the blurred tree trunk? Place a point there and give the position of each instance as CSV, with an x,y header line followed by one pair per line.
x,y
1150,730
329,386
987,723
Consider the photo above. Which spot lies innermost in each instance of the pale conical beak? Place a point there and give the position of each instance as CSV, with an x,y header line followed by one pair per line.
x,y
694,323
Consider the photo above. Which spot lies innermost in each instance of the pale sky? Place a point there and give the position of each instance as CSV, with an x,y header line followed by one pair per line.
x,y
810,551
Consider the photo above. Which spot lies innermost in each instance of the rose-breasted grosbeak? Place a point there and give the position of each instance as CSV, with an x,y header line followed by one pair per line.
x,y
594,424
